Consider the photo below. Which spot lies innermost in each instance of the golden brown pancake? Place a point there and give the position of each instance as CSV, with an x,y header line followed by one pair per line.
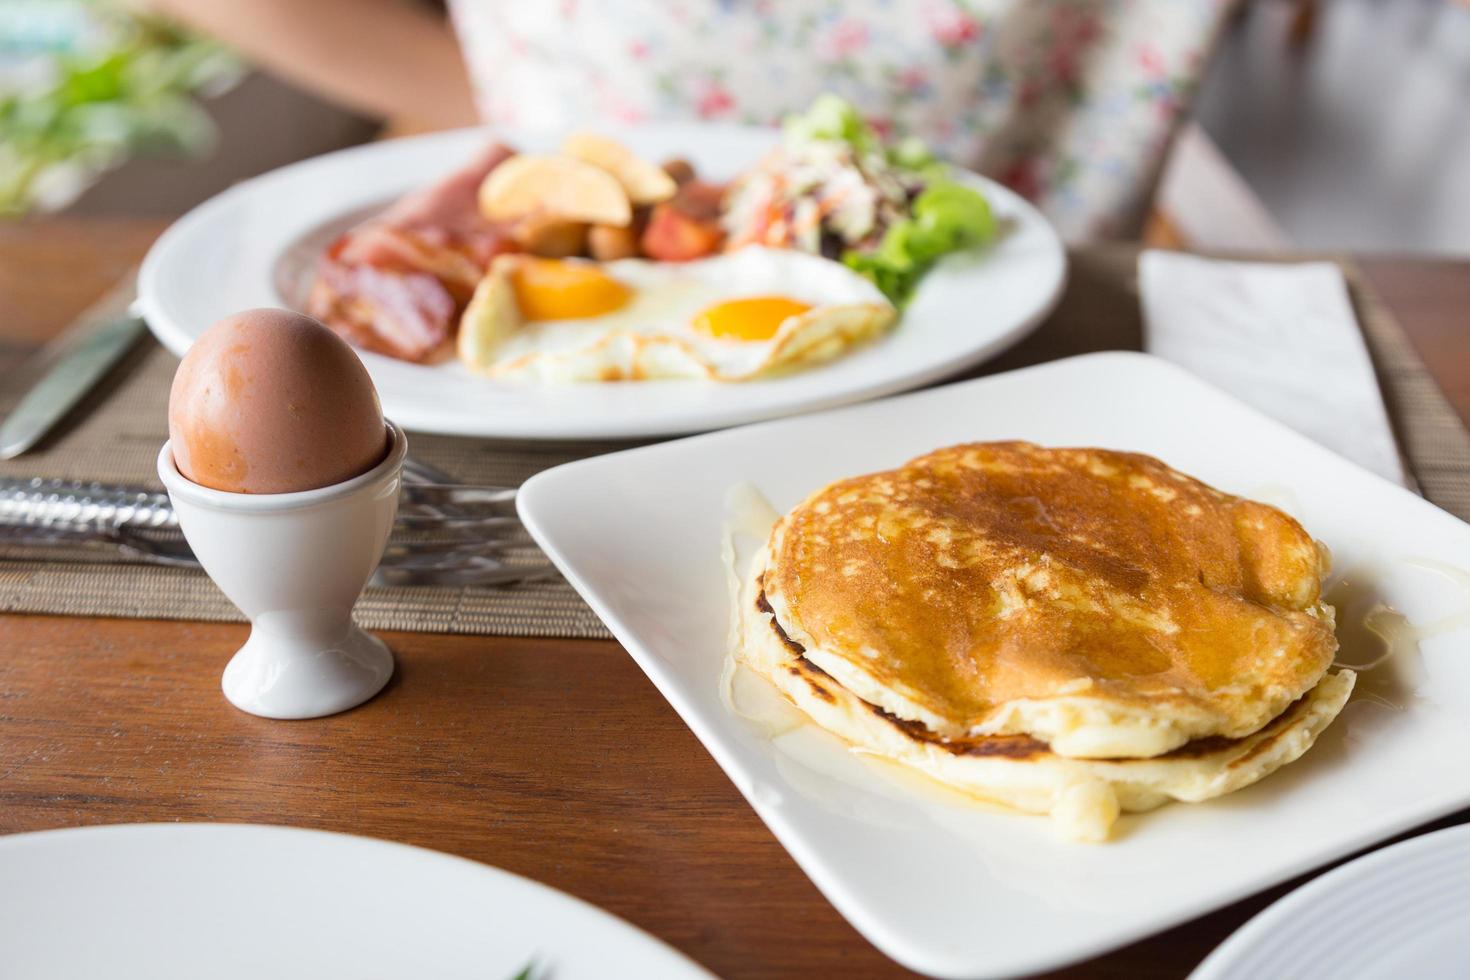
x,y
1099,602
1083,796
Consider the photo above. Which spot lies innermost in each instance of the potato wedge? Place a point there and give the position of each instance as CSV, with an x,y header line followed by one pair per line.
x,y
558,186
646,183
607,244
492,316
549,236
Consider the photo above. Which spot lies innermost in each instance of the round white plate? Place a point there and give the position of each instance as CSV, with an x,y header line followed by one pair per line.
x,y
1403,911
231,901
256,244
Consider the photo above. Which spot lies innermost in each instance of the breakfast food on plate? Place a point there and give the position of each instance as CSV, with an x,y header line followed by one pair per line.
x,y
1067,631
550,236
833,188
644,182
269,401
608,243
728,317
605,202
687,225
832,201
397,283
561,186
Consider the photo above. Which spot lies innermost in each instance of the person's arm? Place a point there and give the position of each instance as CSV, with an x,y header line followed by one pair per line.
x,y
390,58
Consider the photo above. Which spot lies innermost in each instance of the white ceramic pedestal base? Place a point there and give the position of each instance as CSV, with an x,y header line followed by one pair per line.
x,y
276,677
294,564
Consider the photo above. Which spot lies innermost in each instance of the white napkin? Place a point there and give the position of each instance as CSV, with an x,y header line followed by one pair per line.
x,y
1279,337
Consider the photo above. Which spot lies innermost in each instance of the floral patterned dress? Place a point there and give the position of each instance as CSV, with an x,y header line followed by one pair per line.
x,y
1071,102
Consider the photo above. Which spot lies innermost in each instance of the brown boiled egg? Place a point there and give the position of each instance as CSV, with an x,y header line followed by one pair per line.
x,y
269,401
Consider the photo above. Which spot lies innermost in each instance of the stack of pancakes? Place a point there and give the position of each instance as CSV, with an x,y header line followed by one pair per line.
x,y
1066,631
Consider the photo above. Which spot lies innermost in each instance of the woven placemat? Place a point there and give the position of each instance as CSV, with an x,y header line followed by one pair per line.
x,y
115,438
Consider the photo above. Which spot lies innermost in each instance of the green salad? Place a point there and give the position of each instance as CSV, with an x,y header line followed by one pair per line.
x,y
833,187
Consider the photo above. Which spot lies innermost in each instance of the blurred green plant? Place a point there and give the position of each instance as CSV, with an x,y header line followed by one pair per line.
x,y
134,93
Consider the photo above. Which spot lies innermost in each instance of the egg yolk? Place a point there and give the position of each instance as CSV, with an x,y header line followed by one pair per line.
x,y
755,318
547,289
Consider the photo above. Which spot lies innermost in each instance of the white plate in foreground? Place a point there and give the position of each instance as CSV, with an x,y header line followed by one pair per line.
x,y
241,902
948,888
257,243
1398,912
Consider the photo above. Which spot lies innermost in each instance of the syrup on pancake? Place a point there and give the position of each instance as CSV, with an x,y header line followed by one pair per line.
x,y
1099,602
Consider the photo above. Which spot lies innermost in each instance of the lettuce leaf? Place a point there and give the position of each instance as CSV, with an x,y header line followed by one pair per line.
x,y
832,118
946,217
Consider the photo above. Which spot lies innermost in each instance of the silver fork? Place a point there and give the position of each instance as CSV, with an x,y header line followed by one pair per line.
x,y
446,533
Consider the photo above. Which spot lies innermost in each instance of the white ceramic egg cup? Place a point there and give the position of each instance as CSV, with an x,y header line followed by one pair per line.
x,y
295,563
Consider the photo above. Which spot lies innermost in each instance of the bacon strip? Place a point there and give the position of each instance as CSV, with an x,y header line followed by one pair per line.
x,y
397,283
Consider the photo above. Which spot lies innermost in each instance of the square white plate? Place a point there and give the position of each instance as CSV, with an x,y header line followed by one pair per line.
x,y
956,890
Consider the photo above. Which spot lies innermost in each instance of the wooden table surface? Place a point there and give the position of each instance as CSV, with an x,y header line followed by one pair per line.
x,y
554,759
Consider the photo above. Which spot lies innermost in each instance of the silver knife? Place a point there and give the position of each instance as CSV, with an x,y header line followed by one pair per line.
x,y
72,364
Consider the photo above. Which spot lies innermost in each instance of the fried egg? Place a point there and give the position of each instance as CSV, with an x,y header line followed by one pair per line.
x,y
731,317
